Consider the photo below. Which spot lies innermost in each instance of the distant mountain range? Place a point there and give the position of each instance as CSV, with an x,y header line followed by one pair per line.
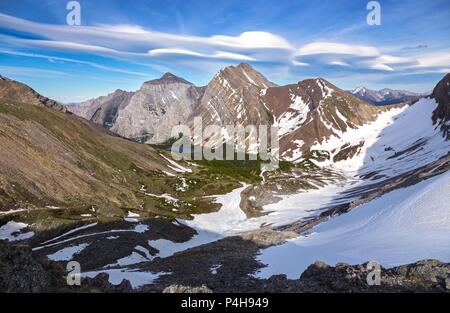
x,y
385,96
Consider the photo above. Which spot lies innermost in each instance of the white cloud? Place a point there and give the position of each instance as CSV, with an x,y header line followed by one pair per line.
x,y
124,28
54,58
390,59
441,59
338,63
31,72
297,63
336,48
379,66
255,39
216,55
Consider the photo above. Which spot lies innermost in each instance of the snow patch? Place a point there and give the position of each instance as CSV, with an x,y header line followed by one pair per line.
x,y
12,231
68,253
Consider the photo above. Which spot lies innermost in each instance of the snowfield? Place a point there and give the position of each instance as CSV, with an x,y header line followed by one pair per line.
x,y
400,227
227,221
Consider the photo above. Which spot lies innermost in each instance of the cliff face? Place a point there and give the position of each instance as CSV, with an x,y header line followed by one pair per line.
x,y
441,115
156,107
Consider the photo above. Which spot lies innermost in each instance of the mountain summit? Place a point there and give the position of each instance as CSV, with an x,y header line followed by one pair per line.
x,y
168,78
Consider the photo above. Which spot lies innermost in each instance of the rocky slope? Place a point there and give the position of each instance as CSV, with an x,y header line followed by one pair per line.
x,y
53,159
311,111
103,110
23,271
231,98
385,96
14,91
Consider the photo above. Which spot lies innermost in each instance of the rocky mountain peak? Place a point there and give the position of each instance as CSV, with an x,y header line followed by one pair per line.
x,y
317,89
243,74
359,90
441,94
166,79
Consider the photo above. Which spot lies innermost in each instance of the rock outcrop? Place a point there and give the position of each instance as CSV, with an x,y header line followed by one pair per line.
x,y
21,272
441,115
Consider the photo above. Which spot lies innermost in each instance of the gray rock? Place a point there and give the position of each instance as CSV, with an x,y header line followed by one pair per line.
x,y
156,108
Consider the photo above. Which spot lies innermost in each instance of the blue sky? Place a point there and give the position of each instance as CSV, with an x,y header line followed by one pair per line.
x,y
121,44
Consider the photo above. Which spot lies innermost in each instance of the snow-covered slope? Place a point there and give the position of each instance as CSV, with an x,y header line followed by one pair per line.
x,y
400,227
399,140
311,111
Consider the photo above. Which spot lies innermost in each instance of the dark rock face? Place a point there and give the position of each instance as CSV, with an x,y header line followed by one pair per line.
x,y
20,272
441,115
347,152
12,90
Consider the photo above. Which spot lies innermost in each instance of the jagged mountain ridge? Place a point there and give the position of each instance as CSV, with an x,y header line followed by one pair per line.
x,y
146,115
307,113
231,97
385,96
103,110
237,95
